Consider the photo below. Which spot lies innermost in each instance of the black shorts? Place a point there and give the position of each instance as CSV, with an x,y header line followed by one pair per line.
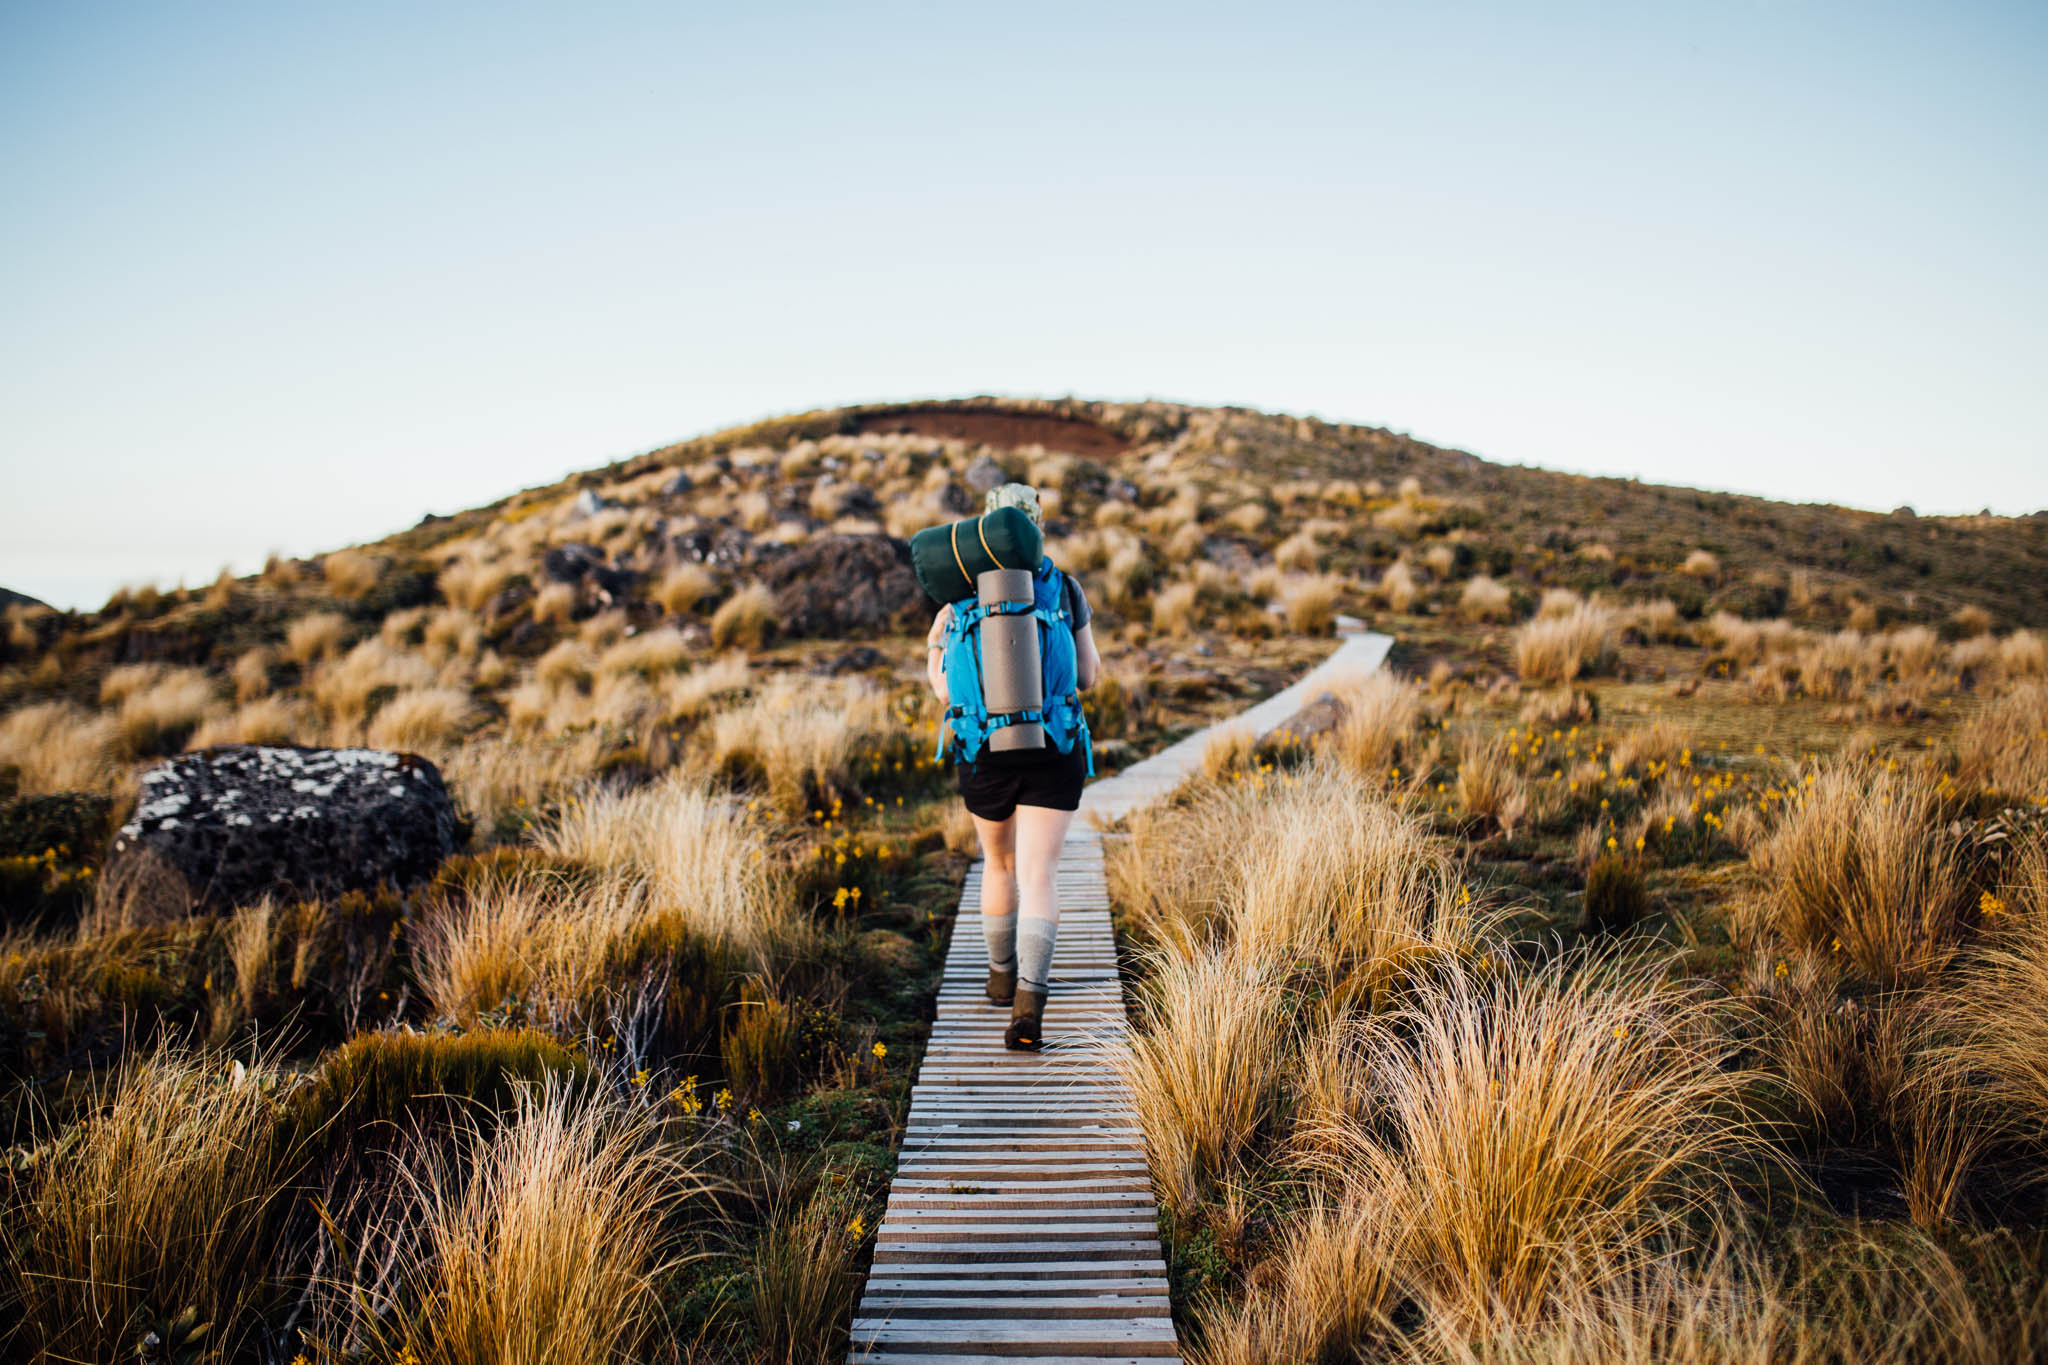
x,y
994,785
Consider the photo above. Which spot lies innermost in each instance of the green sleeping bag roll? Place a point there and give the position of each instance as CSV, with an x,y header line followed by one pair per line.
x,y
949,558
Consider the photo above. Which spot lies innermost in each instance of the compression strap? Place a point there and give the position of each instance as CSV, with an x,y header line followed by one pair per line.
x,y
983,533
954,539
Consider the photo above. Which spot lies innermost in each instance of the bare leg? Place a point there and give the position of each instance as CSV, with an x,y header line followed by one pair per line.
x,y
999,890
1040,834
1037,839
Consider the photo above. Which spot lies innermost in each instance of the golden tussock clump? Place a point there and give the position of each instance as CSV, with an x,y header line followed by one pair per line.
x,y
470,581
800,737
350,574
1309,602
1381,711
1397,587
56,746
1701,564
1204,1065
682,588
1316,868
2004,746
1174,608
1998,1014
698,851
315,636
157,709
1531,1129
1862,864
1484,599
343,688
1299,553
167,1197
421,719
251,673
267,720
744,619
1971,621
1554,650
548,1230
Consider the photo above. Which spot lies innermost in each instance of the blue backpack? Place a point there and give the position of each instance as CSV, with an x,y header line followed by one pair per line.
x,y
967,715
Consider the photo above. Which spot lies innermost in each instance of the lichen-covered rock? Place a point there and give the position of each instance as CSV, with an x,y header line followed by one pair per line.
x,y
847,585
244,820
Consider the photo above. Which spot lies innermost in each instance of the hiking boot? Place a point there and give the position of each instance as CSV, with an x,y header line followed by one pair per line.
x,y
1027,1014
1002,985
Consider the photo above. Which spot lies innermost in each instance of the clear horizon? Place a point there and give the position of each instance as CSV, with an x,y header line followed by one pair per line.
x,y
286,281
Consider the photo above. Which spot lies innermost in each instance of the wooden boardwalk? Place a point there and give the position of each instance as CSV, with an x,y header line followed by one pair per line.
x,y
1020,1223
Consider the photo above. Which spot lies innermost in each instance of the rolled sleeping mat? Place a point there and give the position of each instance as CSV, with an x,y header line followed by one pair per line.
x,y
1011,679
949,559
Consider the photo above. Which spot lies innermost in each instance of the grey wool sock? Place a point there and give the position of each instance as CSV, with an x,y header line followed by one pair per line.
x,y
1035,936
1000,933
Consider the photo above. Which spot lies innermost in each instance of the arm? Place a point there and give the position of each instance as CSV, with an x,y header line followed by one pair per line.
x,y
934,658
1087,659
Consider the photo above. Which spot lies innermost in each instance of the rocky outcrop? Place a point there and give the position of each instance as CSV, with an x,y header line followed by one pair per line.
x,y
245,820
847,585
573,563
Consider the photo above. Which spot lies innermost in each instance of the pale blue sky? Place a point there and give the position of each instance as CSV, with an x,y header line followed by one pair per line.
x,y
286,277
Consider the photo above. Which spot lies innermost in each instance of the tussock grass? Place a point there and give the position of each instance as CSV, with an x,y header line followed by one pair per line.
x,y
471,580
56,746
269,720
1535,1129
1488,785
682,588
421,719
1174,609
800,737
1862,863
251,673
1318,871
802,1285
345,688
352,573
1553,650
1205,1065
1483,599
1998,1010
315,636
542,1240
496,778
156,709
744,619
1397,586
2004,746
1381,712
1309,602
699,854
163,1205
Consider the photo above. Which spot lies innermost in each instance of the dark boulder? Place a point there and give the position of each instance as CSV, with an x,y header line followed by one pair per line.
x,y
985,474
859,659
571,563
847,585
955,501
1314,720
575,563
725,547
237,822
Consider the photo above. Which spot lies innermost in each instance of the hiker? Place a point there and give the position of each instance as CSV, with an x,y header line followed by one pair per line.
x,y
1023,800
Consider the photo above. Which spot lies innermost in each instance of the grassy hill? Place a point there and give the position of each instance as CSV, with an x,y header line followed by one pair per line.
x,y
1749,788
